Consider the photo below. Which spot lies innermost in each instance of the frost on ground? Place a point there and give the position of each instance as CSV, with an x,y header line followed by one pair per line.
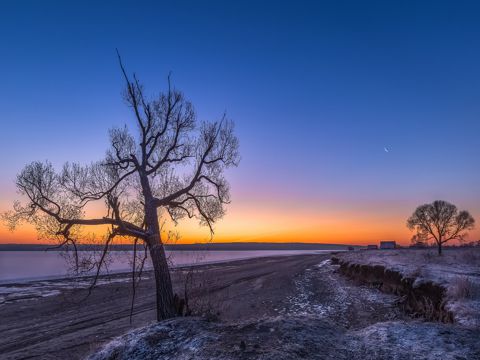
x,y
291,337
417,340
327,317
322,293
457,270
36,289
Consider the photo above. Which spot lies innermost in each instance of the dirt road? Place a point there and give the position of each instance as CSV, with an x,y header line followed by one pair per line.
x,y
65,326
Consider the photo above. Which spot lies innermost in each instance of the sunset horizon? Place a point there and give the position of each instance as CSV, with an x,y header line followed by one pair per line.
x,y
348,159
226,180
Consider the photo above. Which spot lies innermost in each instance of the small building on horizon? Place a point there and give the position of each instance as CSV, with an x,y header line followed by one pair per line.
x,y
388,244
372,247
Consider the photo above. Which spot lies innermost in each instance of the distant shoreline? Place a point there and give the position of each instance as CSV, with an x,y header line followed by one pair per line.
x,y
237,246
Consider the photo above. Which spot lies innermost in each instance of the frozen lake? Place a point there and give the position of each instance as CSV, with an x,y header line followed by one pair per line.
x,y
18,266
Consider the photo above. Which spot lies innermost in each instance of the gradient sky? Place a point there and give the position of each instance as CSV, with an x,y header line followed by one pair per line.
x,y
317,90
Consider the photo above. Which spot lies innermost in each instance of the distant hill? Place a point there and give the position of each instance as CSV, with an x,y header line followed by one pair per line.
x,y
237,246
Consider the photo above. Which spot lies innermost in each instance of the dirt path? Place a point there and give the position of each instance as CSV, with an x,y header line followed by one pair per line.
x,y
321,292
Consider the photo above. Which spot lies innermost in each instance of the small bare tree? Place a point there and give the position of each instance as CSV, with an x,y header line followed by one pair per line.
x,y
440,221
173,166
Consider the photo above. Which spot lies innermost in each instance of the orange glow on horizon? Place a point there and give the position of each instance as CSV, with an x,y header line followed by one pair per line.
x,y
268,224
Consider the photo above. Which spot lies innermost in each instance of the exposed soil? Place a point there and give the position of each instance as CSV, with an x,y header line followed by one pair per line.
x,y
442,288
426,299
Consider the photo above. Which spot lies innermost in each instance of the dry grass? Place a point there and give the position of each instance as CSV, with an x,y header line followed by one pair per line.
x,y
430,255
467,256
205,296
470,256
461,288
418,272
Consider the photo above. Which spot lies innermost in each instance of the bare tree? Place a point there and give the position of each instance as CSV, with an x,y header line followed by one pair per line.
x,y
440,221
173,167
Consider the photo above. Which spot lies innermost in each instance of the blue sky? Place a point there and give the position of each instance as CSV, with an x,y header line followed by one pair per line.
x,y
317,90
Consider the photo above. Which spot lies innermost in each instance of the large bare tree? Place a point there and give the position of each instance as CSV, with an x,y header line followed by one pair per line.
x,y
441,222
173,166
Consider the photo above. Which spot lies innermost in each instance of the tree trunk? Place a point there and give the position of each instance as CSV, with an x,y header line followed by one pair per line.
x,y
439,248
163,283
